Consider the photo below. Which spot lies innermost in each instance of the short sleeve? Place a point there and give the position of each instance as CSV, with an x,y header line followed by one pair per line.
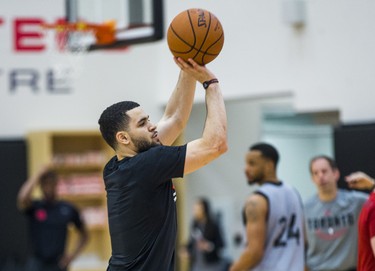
x,y
164,163
76,218
360,197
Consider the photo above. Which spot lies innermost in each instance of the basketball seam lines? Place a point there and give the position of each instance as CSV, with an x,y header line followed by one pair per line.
x,y
205,38
210,54
192,28
192,47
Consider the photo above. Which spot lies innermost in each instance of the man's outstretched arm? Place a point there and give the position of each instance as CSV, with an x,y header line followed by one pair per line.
x,y
180,103
213,141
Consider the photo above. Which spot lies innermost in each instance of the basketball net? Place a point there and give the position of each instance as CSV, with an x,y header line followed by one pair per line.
x,y
70,48
73,41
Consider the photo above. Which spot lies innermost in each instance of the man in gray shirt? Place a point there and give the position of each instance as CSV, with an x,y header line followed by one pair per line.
x,y
331,218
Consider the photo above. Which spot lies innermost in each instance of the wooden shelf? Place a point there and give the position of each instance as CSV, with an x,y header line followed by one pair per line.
x,y
83,197
94,228
97,227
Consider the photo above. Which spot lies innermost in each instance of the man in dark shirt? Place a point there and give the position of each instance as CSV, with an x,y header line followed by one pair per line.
x,y
49,219
138,179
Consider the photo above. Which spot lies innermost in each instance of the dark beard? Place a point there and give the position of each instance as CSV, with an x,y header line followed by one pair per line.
x,y
257,180
254,182
143,145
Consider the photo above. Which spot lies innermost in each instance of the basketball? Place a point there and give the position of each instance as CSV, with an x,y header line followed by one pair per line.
x,y
196,34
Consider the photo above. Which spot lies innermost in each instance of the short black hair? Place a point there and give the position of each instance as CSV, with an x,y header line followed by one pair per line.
x,y
268,151
332,163
113,119
48,176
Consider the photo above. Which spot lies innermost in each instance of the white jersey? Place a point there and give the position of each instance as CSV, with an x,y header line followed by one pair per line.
x,y
284,248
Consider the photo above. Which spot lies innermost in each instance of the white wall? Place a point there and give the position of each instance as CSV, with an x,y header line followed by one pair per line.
x,y
328,64
98,78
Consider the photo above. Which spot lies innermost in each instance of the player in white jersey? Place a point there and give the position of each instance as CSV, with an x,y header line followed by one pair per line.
x,y
273,217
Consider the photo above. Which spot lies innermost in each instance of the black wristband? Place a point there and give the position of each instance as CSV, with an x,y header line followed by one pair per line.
x,y
209,82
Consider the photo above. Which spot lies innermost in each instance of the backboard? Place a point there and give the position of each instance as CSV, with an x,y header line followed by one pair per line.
x,y
130,21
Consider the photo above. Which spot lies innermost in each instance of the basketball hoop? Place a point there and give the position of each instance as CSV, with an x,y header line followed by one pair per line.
x,y
79,36
74,40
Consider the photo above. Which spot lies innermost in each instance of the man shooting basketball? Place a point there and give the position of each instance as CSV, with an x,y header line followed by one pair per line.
x,y
140,193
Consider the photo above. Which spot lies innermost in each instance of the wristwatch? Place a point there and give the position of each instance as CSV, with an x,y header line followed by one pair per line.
x,y
209,82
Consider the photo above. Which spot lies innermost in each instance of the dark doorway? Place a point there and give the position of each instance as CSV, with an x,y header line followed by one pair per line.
x,y
13,227
355,149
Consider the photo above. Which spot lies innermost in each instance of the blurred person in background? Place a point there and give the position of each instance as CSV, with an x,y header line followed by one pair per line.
x,y
331,220
49,219
205,243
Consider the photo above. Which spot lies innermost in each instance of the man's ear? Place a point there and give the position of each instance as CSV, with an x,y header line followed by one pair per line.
x,y
270,165
123,138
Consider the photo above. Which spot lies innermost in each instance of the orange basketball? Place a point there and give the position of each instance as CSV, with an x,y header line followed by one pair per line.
x,y
197,34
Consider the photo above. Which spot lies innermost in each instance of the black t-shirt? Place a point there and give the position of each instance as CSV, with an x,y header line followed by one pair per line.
x,y
48,224
142,208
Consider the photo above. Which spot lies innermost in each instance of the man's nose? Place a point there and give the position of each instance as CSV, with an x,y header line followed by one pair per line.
x,y
320,176
152,127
